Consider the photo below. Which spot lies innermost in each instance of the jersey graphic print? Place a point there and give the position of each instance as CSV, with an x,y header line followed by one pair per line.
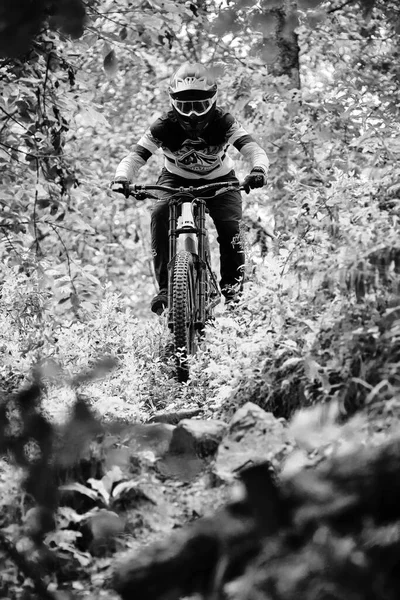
x,y
197,156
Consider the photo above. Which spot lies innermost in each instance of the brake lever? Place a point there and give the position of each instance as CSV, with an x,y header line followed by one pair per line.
x,y
221,191
228,188
140,195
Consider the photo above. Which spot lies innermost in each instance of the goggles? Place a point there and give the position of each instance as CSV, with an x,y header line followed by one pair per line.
x,y
187,108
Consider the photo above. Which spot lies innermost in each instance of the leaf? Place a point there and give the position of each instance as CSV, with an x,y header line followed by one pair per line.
x,y
291,362
78,221
168,6
317,426
92,117
384,384
69,515
263,22
91,277
4,156
84,558
311,369
90,39
153,22
266,50
114,475
392,144
64,536
226,22
63,281
123,487
81,489
41,191
218,70
110,64
244,3
98,485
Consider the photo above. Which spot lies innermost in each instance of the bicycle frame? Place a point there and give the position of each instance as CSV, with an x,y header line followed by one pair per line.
x,y
188,226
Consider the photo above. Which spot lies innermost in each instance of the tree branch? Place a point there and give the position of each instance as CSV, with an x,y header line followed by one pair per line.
x,y
337,8
35,206
67,256
10,116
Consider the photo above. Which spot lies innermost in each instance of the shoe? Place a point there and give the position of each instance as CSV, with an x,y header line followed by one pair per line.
x,y
233,295
231,302
160,302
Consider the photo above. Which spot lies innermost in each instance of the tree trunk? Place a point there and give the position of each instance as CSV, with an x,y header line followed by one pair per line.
x,y
287,41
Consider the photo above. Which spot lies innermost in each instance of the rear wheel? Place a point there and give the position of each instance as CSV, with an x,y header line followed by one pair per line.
x,y
183,312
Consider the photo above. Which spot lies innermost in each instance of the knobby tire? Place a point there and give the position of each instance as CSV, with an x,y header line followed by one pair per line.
x,y
183,312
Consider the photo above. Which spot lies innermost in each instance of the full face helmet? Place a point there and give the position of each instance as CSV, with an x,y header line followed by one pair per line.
x,y
193,94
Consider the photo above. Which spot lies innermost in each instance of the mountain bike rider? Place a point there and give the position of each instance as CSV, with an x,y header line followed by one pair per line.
x,y
194,137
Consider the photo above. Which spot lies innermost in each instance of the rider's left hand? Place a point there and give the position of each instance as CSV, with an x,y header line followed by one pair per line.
x,y
255,179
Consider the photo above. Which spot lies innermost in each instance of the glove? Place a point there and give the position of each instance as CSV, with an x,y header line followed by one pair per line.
x,y
121,184
255,179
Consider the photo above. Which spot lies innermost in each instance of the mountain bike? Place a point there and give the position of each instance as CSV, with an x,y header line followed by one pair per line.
x,y
193,290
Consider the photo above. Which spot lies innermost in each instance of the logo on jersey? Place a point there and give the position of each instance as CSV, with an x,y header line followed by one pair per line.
x,y
198,157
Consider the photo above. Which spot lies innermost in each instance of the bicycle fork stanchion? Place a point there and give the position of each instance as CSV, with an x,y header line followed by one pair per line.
x,y
201,228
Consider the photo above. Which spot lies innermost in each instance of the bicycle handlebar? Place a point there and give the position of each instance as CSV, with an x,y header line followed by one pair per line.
x,y
191,189
141,192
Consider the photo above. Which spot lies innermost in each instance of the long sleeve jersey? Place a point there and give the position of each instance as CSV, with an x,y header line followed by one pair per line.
x,y
202,158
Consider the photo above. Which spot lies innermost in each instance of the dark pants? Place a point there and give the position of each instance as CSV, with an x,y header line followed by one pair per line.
x,y
226,212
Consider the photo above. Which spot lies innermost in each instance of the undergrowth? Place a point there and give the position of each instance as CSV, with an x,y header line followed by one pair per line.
x,y
287,345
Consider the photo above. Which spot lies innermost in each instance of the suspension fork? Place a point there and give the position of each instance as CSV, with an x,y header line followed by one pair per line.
x,y
200,230
172,235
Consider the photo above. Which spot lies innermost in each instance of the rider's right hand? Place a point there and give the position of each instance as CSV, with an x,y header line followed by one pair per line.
x,y
121,185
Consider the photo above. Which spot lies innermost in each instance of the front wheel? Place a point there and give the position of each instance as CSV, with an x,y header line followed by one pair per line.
x,y
183,311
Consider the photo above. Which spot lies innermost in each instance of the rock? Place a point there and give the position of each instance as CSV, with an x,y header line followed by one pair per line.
x,y
192,443
105,526
155,437
173,418
197,437
254,436
182,467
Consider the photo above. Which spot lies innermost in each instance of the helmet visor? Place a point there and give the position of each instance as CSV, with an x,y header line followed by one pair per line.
x,y
188,108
